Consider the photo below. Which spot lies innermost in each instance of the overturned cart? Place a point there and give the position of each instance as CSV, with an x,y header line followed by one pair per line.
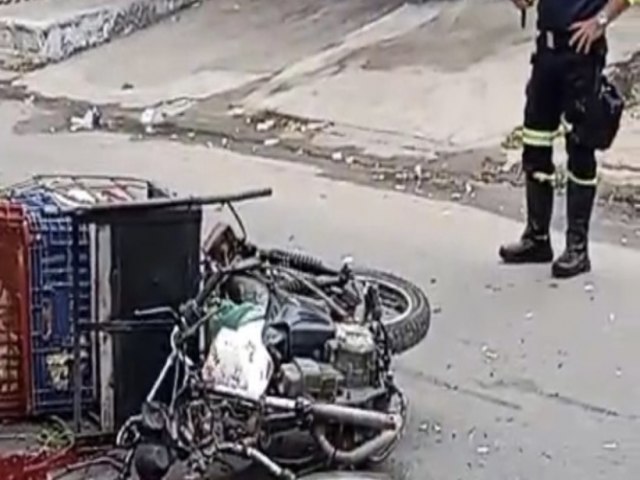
x,y
275,349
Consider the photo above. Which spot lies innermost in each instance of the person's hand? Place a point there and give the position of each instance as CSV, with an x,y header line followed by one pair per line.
x,y
585,33
523,4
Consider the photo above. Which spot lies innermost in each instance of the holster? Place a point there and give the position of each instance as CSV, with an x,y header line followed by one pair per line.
x,y
601,116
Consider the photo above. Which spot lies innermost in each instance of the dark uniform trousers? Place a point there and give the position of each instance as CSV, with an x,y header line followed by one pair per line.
x,y
561,83
561,92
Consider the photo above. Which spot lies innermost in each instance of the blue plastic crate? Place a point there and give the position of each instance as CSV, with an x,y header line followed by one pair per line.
x,y
52,297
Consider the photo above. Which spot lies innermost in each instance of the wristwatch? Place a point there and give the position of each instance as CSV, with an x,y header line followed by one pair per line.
x,y
603,19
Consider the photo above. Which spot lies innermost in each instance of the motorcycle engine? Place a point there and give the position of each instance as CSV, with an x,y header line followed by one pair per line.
x,y
353,353
349,363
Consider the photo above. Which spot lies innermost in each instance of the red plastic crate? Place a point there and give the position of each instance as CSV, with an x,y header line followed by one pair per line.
x,y
35,466
15,345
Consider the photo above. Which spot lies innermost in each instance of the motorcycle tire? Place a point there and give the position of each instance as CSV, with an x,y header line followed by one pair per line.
x,y
411,326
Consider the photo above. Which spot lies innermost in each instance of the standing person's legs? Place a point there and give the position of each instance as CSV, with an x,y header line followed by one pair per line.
x,y
542,120
581,84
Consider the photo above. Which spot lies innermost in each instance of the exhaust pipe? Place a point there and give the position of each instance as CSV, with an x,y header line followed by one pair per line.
x,y
355,416
358,454
323,411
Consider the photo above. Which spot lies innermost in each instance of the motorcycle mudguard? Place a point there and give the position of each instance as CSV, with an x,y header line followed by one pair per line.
x,y
238,359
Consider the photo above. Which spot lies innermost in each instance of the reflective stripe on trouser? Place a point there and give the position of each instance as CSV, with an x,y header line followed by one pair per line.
x,y
544,177
538,138
583,182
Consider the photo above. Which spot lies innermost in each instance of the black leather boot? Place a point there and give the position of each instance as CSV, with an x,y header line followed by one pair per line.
x,y
575,259
534,245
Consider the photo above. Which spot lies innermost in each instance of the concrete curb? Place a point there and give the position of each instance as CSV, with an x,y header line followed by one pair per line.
x,y
27,44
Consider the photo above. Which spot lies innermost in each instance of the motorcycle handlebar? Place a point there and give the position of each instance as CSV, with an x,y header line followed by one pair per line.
x,y
156,311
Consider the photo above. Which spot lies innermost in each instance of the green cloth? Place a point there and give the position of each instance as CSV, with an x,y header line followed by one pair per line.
x,y
232,316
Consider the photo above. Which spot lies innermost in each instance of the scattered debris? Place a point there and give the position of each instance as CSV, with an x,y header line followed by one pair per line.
x,y
271,142
127,86
91,120
489,354
623,240
612,317
468,189
265,125
529,315
589,287
547,456
224,142
236,111
337,156
150,118
513,141
471,434
483,450
427,427
610,445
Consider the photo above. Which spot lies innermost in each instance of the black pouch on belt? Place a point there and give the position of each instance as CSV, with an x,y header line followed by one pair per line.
x,y
601,119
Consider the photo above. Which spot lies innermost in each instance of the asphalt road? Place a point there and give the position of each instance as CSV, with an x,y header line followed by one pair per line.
x,y
520,378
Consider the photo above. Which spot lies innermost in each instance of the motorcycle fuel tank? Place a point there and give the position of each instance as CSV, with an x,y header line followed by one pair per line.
x,y
238,359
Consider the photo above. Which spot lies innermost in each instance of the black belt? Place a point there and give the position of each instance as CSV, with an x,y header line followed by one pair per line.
x,y
559,40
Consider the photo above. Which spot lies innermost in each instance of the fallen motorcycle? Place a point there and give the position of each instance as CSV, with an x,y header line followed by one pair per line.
x,y
293,349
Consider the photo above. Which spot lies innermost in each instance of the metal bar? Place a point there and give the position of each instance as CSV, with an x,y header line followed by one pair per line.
x,y
126,326
75,322
87,211
167,365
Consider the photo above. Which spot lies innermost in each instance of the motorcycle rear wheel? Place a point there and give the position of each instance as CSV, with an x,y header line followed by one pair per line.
x,y
406,308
